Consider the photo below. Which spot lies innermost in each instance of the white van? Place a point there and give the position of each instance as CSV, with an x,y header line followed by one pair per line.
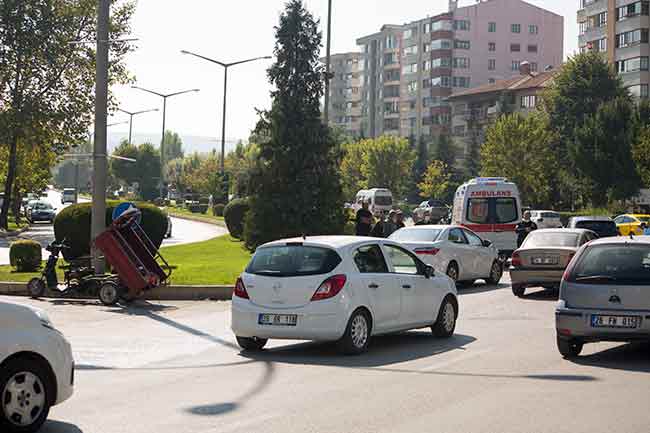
x,y
380,200
68,195
491,207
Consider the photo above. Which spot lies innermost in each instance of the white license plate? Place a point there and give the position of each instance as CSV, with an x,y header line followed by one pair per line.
x,y
278,319
598,321
545,260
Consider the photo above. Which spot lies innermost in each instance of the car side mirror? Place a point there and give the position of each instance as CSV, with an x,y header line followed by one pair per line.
x,y
429,271
487,243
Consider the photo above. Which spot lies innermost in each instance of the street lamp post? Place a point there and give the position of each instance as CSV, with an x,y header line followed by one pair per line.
x,y
326,109
162,139
135,113
225,90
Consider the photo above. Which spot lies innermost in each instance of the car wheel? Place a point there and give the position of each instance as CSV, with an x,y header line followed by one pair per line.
x,y
446,321
496,272
518,291
569,348
109,294
36,287
357,334
452,271
26,395
252,344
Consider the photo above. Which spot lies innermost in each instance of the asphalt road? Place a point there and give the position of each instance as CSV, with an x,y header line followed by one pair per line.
x,y
183,231
175,368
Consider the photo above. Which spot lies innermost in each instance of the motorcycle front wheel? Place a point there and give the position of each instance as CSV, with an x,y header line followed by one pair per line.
x,y
36,287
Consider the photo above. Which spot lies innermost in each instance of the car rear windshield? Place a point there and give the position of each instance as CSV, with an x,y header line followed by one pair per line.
x,y
383,200
415,235
550,215
600,227
492,210
541,239
613,264
293,261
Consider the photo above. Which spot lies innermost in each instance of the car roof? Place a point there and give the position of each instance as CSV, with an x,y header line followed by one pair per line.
x,y
562,230
638,240
432,226
334,242
636,215
591,218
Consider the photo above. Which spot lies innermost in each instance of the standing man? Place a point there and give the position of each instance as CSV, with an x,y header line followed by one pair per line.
x,y
426,219
399,220
524,228
364,220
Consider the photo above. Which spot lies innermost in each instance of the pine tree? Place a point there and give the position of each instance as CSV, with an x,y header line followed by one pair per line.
x,y
296,187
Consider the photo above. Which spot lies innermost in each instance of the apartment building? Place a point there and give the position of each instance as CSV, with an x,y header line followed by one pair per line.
x,y
410,70
619,29
345,96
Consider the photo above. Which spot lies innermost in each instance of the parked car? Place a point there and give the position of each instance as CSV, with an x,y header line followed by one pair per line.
x,y
68,195
36,368
631,223
454,250
601,225
436,208
339,288
41,211
543,257
605,294
546,219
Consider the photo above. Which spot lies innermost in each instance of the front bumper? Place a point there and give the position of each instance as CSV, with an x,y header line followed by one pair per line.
x,y
526,277
573,323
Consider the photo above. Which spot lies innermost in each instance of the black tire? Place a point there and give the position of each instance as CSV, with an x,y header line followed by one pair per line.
x,y
252,344
36,287
109,293
452,271
496,272
569,348
518,291
356,338
445,324
39,395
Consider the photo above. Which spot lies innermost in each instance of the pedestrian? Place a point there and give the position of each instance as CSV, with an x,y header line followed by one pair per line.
x,y
399,220
363,220
426,219
645,229
378,229
391,224
524,228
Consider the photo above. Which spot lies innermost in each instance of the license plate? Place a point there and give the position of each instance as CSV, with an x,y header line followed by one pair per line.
x,y
598,321
545,260
278,319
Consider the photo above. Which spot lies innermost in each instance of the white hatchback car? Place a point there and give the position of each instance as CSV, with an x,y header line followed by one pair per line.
x,y
36,368
454,250
339,288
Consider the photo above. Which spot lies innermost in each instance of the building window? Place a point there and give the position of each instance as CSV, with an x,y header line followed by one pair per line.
x,y
427,28
492,27
632,10
444,81
426,47
491,81
390,59
410,50
460,81
600,20
441,44
583,26
529,101
533,29
461,62
598,46
492,46
408,33
391,92
633,37
412,87
442,62
461,25
410,69
515,48
391,42
492,64
431,101
532,48
459,131
391,107
585,3
632,65
639,90
515,65
533,67
462,45
392,75
391,124
442,25
515,28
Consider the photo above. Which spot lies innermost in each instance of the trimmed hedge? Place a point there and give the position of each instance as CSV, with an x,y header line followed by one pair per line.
x,y
217,209
234,214
25,255
73,224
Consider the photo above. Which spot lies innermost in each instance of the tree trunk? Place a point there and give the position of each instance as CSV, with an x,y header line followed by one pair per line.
x,y
17,202
9,181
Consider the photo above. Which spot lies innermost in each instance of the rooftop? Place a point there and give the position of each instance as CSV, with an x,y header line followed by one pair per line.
x,y
520,82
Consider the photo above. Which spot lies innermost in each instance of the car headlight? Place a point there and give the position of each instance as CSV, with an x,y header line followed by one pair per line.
x,y
45,319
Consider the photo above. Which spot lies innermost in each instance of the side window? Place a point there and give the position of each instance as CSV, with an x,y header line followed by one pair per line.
x,y
627,220
370,260
473,240
456,236
402,262
619,220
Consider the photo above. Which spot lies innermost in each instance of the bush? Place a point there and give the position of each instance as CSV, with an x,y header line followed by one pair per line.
x,y
73,224
234,214
217,209
25,255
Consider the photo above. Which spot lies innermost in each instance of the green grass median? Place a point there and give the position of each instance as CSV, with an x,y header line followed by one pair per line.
x,y
203,217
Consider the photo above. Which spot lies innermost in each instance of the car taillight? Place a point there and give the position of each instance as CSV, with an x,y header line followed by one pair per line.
x,y
570,266
329,288
240,289
427,251
515,260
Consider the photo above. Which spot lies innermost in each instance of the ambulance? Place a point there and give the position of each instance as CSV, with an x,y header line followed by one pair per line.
x,y
491,207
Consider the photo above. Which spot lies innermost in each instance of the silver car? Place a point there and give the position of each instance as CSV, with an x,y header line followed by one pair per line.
x,y
605,294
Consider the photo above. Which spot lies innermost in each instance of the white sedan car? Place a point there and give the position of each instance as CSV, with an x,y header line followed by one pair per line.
x,y
454,250
36,368
339,288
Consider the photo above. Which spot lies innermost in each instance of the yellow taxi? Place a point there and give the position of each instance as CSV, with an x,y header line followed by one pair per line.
x,y
631,223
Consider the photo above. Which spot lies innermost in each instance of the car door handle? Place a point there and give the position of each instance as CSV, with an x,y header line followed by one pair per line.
x,y
406,286
373,286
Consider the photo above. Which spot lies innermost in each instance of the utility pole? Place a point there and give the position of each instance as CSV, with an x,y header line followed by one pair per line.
x,y
326,110
101,114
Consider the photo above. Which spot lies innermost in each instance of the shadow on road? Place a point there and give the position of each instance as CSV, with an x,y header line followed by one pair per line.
x,y
541,295
480,288
90,367
629,357
59,427
383,350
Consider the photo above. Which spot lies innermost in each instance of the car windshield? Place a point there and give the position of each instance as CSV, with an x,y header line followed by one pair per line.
x,y
293,260
550,215
600,227
541,239
42,206
614,264
415,235
383,200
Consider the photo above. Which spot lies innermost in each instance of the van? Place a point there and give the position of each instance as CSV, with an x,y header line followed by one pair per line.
x,y
68,195
491,207
380,200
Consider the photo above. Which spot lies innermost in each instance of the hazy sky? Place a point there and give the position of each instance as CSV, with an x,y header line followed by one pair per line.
x,y
234,30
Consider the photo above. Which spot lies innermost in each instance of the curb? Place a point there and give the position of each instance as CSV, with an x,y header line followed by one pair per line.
x,y
197,219
163,293
14,233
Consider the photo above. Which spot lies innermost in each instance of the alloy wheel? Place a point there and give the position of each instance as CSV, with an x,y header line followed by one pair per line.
x,y
449,317
23,399
359,330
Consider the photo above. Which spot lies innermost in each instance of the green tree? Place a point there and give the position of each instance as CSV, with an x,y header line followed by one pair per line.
x,y
296,188
641,155
602,152
387,163
173,145
443,150
435,182
520,148
148,170
46,82
351,176
123,170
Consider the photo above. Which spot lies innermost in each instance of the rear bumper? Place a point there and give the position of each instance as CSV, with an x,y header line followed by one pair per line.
x,y
572,323
524,277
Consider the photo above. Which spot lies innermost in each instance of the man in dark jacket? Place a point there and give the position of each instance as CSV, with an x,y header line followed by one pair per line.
x,y
363,220
524,228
